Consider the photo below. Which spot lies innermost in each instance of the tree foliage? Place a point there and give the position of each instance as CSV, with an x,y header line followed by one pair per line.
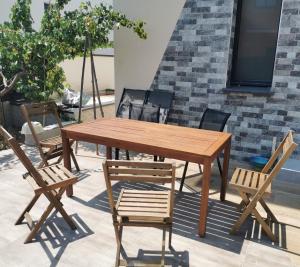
x,y
61,36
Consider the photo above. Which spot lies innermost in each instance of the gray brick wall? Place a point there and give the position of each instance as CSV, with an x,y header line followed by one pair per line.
x,y
196,64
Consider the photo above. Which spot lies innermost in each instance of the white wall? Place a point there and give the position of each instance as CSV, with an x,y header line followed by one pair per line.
x,y
104,70
136,60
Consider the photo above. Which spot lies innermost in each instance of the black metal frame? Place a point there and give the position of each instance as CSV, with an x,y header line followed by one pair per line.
x,y
222,126
235,51
126,91
142,112
155,98
161,98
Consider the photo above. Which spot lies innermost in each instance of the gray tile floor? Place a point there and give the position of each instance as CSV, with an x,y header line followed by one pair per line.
x,y
93,243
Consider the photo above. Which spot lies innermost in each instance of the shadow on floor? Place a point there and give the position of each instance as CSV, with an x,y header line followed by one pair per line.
x,y
55,235
8,159
220,219
173,258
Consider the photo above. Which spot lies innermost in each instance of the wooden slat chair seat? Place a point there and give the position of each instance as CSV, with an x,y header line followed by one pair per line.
x,y
145,208
50,181
141,205
52,147
55,141
253,186
249,181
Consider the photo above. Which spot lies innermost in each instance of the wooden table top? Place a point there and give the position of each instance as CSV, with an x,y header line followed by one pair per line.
x,y
171,141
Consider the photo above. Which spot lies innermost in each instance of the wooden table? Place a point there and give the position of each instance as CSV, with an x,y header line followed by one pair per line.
x,y
188,144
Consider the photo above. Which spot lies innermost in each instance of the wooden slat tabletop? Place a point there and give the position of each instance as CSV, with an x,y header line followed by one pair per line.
x,y
188,144
160,139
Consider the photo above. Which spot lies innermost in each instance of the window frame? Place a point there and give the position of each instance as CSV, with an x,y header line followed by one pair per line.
x,y
235,48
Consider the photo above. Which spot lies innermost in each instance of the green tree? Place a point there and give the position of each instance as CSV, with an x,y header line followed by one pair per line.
x,y
33,56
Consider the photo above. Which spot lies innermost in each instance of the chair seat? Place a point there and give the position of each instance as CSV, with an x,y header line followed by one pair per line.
x,y
55,141
144,206
54,176
249,181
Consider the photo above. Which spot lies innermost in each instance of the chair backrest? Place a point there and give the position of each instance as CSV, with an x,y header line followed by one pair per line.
x,y
144,112
137,172
134,96
163,99
281,154
40,111
22,156
277,160
214,120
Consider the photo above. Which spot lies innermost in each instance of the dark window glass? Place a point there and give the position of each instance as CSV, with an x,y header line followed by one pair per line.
x,y
255,42
46,5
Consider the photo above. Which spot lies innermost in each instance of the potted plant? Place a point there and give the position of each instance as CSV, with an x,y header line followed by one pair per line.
x,y
29,58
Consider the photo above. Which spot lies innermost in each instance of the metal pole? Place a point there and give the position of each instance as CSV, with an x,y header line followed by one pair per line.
x,y
93,81
93,86
81,88
97,88
82,78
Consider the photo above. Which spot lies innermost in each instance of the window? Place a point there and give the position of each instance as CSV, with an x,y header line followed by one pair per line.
x,y
46,6
255,42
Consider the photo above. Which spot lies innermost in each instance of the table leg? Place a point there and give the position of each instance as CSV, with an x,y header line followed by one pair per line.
x,y
67,159
108,152
225,170
204,197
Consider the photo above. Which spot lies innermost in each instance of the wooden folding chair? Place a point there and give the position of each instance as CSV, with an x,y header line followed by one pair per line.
x,y
254,186
50,181
52,147
142,208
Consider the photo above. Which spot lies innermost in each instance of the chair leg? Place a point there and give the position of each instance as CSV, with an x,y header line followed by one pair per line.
x,y
245,213
60,159
37,226
118,233
76,147
264,226
127,155
183,176
251,209
268,211
117,151
163,250
170,236
219,166
45,158
200,169
58,205
161,159
43,163
75,161
27,209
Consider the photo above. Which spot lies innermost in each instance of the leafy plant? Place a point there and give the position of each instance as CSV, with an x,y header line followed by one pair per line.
x,y
36,54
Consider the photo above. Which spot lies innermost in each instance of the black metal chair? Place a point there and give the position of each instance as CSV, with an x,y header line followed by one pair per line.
x,y
145,112
163,99
213,120
134,96
129,96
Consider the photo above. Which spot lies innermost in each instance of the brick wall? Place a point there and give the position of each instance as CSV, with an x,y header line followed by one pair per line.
x,y
196,64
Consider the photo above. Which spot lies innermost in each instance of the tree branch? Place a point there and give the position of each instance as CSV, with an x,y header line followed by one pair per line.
x,y
3,79
9,87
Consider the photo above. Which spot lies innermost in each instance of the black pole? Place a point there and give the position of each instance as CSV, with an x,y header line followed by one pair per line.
x,y
93,80
81,88
82,79
97,88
